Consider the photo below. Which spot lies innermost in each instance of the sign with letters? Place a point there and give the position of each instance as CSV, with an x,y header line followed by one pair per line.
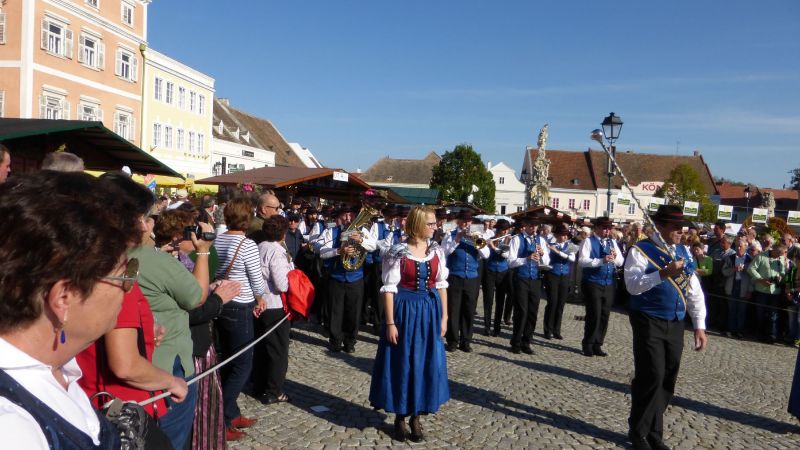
x,y
759,215
793,218
691,208
654,203
725,212
341,176
623,199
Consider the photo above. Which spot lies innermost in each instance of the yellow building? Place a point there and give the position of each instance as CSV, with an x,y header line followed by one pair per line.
x,y
177,112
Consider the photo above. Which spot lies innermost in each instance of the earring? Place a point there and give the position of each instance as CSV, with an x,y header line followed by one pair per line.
x,y
63,337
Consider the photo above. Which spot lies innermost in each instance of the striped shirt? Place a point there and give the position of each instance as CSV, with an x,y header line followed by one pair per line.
x,y
246,269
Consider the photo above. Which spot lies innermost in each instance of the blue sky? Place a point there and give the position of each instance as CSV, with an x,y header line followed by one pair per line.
x,y
358,80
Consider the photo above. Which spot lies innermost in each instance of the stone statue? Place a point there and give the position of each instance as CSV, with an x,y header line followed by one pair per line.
x,y
769,203
542,142
539,186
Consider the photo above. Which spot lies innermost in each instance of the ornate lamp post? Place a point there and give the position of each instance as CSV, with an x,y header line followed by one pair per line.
x,y
612,125
747,198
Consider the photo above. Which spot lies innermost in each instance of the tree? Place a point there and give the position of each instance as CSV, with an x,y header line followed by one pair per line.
x,y
684,185
458,171
795,178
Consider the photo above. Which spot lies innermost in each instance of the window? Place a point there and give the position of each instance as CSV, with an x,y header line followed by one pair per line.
x,y
156,134
124,124
127,66
519,208
191,142
586,204
89,111
53,106
167,136
56,38
200,137
158,87
182,97
201,104
93,3
502,207
631,209
502,181
192,101
554,202
127,14
571,203
2,27
91,51
179,139
169,91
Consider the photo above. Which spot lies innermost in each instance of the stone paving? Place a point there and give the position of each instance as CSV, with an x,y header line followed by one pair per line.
x,y
733,395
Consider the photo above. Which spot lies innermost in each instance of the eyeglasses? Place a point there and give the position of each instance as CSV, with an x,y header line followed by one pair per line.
x,y
130,276
273,207
430,224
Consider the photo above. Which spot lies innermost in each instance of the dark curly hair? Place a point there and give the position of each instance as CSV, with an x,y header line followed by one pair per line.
x,y
170,224
59,226
275,228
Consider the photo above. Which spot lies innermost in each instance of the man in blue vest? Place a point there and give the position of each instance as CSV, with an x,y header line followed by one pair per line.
x,y
662,292
562,256
464,283
379,231
496,276
526,253
345,287
598,255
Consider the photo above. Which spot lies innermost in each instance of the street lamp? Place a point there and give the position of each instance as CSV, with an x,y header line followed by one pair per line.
x,y
747,198
612,125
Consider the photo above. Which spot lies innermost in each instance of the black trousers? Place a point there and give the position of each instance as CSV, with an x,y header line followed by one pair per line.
x,y
657,348
495,290
345,311
462,301
527,293
557,290
372,298
598,300
271,356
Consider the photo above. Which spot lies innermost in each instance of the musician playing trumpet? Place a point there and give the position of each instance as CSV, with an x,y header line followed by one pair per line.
x,y
496,277
345,286
463,283
562,255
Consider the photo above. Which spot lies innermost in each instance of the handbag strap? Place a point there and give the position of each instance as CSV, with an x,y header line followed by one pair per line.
x,y
230,266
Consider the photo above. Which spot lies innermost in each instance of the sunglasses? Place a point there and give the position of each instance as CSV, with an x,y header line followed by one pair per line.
x,y
130,276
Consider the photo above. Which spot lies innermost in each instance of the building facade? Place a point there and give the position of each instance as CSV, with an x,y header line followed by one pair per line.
x,y
509,194
74,59
177,115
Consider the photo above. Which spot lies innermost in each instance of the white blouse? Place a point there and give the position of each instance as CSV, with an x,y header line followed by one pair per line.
x,y
391,270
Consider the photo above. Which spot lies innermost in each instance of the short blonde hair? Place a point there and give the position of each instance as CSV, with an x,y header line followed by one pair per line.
x,y
416,223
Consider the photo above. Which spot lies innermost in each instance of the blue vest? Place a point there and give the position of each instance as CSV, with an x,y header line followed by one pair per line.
x,y
59,433
604,273
383,230
529,270
463,262
559,264
496,263
338,271
667,300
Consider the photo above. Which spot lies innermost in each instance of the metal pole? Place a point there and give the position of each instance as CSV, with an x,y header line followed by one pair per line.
x,y
610,173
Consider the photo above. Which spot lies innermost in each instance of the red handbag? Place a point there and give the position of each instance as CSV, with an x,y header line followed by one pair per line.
x,y
300,296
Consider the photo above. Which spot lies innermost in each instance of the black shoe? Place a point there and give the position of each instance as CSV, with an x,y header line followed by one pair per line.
x,y
558,336
639,443
450,347
587,352
336,348
656,443
400,429
527,350
598,351
465,347
416,429
349,348
516,350
495,333
548,336
507,321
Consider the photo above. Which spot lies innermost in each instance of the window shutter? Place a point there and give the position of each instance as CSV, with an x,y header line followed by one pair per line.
x,y
42,107
134,68
81,47
2,28
45,28
68,43
116,122
101,55
64,110
99,114
132,131
118,64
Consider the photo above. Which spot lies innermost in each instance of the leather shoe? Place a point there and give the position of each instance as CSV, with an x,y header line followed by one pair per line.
x,y
243,422
516,350
558,336
639,444
656,443
232,434
336,348
465,347
349,348
450,347
548,336
599,352
400,429
416,429
587,352
527,350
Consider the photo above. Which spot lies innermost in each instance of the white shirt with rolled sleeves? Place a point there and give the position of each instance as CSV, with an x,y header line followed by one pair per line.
x,y
638,282
585,251
569,254
327,251
513,251
19,430
391,271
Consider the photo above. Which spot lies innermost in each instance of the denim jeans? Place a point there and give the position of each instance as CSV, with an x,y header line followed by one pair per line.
x,y
737,309
235,327
177,422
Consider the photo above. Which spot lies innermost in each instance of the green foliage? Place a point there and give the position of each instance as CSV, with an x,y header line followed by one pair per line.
x,y
458,171
795,178
684,185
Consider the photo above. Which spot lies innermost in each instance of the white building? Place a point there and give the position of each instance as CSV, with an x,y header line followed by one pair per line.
x,y
509,194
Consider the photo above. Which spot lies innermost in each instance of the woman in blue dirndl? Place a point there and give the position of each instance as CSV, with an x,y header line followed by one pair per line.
x,y
410,373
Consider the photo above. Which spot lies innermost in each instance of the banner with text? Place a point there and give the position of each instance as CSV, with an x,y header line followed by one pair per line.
x,y
793,218
691,208
725,212
654,203
623,199
759,215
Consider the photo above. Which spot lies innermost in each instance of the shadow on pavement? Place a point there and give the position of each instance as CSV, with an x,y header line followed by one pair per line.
x,y
340,412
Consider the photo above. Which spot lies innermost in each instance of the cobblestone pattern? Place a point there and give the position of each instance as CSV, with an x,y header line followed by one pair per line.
x,y
733,395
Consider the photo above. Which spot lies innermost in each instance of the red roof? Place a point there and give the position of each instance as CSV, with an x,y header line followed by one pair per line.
x,y
733,194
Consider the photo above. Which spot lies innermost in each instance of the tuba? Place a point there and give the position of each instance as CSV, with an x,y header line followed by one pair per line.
x,y
364,217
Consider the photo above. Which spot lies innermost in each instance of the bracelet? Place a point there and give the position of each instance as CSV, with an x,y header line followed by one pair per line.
x,y
202,253
390,324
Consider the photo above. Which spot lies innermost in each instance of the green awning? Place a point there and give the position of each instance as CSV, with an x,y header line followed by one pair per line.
x,y
425,196
100,148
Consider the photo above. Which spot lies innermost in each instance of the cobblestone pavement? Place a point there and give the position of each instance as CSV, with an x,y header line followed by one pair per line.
x,y
733,395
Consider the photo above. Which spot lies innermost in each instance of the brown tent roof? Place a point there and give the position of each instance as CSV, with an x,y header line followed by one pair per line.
x,y
263,134
403,171
589,168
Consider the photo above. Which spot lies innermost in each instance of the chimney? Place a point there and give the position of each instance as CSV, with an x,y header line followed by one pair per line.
x,y
225,101
489,165
696,153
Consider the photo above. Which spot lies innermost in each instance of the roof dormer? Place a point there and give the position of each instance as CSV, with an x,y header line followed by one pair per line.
x,y
220,127
246,137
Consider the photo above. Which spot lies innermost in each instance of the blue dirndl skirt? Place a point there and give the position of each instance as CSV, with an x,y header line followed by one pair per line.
x,y
410,378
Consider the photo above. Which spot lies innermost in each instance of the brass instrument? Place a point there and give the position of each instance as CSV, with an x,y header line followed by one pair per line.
x,y
364,217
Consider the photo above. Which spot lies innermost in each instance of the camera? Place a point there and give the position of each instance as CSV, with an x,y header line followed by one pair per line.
x,y
206,236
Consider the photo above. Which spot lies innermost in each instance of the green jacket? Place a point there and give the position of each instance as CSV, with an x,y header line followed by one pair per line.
x,y
765,268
